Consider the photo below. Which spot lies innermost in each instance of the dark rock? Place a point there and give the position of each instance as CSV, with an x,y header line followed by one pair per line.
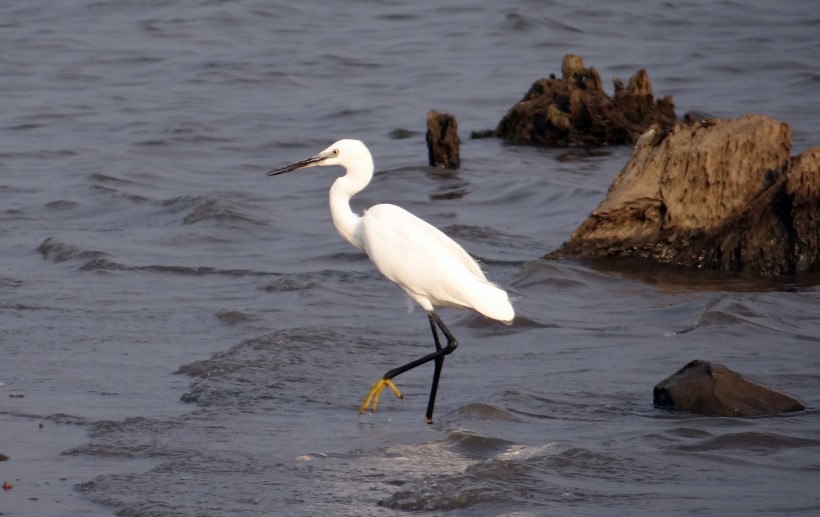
x,y
442,140
720,195
715,390
482,133
575,110
402,134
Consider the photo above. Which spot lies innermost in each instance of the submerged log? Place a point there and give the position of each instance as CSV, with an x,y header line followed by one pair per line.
x,y
715,390
575,110
442,140
721,195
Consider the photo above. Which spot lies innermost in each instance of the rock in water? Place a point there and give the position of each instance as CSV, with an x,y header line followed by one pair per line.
x,y
442,140
802,189
721,195
575,111
715,390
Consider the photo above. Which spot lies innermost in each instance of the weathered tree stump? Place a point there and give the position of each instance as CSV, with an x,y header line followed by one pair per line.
x,y
721,195
715,390
575,110
442,140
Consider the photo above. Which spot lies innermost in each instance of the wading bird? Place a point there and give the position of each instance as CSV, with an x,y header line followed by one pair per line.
x,y
427,264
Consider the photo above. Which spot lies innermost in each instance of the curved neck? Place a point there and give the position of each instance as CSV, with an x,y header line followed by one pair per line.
x,y
347,223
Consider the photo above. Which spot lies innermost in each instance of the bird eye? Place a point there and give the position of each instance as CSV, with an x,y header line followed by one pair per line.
x,y
335,152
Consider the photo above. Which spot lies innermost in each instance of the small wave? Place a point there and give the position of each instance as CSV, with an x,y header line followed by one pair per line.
x,y
115,450
515,22
201,209
285,283
351,61
25,127
451,494
62,204
234,317
481,411
726,311
193,133
57,251
215,210
114,186
105,264
512,475
718,319
473,444
65,419
484,234
130,426
42,154
274,369
197,270
106,179
135,198
558,276
751,441
10,282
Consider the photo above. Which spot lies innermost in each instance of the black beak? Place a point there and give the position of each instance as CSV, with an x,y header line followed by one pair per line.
x,y
297,165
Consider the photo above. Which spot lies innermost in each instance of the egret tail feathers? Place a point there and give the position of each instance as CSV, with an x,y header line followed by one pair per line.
x,y
492,301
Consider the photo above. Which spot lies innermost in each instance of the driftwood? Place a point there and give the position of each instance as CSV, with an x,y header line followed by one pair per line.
x,y
442,140
721,195
575,111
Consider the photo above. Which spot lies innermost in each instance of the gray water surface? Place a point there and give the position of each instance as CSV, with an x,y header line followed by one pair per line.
x,y
184,336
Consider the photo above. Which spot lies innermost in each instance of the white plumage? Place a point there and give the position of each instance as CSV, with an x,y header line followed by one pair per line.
x,y
427,264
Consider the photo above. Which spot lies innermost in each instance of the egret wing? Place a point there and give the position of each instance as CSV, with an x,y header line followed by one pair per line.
x,y
430,266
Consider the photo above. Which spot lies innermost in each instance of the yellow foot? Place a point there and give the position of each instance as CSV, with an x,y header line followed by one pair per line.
x,y
376,391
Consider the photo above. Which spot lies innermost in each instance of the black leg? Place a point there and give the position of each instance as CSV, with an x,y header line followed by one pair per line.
x,y
437,356
439,362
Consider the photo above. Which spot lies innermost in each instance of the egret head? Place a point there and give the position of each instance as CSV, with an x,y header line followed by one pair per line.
x,y
344,153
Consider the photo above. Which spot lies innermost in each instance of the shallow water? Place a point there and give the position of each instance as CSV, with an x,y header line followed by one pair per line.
x,y
183,336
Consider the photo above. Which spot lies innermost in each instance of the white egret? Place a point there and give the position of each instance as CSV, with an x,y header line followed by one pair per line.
x,y
427,264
